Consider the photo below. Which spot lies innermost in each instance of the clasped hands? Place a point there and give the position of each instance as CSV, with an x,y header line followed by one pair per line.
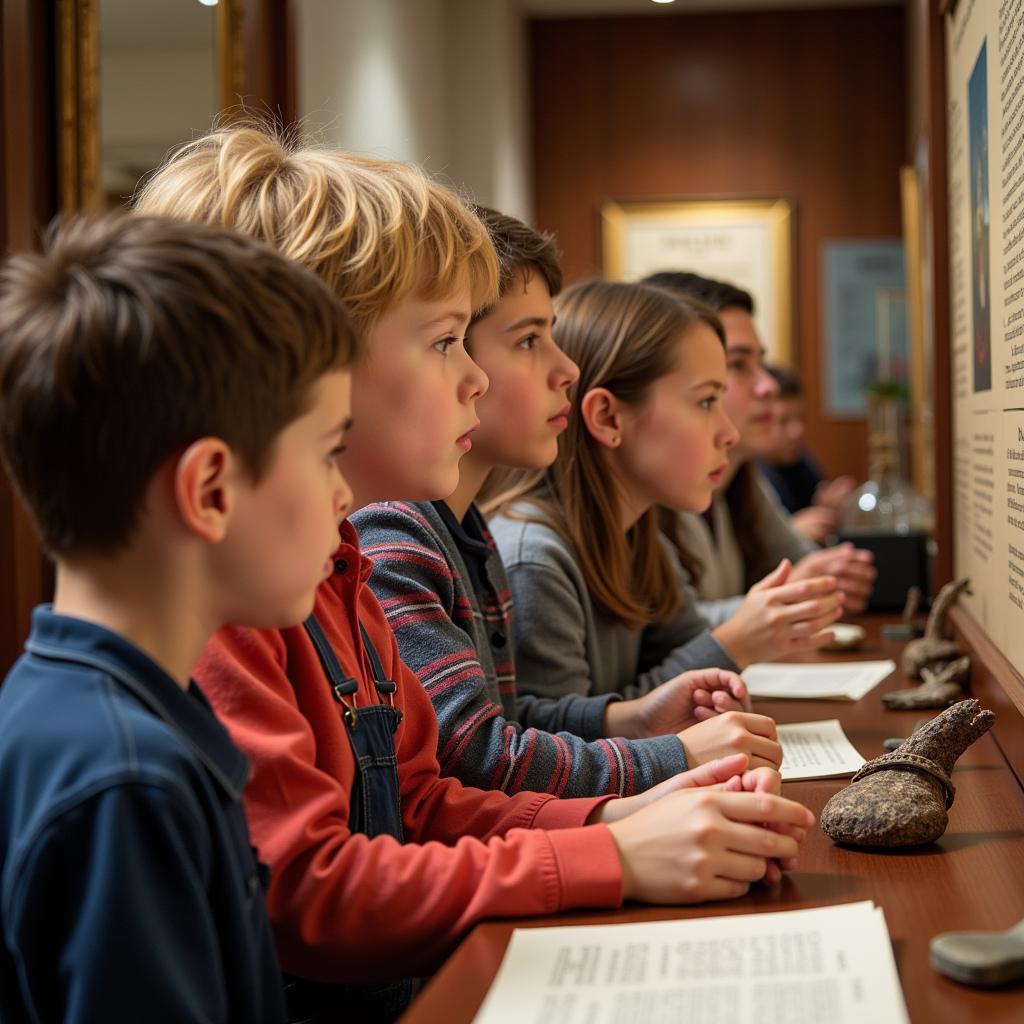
x,y
708,709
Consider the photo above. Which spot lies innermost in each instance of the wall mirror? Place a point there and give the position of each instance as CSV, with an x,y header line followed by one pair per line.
x,y
135,79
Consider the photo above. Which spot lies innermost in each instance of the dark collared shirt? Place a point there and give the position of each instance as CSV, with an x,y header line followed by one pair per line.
x,y
470,538
128,888
795,484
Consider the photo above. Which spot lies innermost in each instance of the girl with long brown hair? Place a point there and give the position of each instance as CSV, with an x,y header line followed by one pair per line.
x,y
603,600
746,535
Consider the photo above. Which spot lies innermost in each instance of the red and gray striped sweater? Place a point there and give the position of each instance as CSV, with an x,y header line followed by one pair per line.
x,y
458,640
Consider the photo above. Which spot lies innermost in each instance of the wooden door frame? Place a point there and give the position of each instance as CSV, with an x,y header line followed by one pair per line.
x,y
28,201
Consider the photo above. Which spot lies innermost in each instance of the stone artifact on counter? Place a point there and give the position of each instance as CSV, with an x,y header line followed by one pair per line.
x,y
933,648
942,686
980,958
901,798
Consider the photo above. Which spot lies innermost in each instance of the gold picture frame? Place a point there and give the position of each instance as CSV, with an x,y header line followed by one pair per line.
x,y
78,92
922,414
747,242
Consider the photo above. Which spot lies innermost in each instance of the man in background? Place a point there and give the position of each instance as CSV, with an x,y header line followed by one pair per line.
x,y
812,501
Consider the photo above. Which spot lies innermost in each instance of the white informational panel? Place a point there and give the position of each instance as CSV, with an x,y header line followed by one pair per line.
x,y
985,67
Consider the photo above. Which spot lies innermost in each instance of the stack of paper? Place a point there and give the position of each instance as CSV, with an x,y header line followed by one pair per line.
x,y
816,750
825,681
830,964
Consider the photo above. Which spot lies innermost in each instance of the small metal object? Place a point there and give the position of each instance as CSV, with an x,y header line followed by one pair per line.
x,y
980,958
895,741
901,631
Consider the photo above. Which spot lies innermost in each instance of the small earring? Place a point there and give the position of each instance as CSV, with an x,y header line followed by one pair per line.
x,y
615,441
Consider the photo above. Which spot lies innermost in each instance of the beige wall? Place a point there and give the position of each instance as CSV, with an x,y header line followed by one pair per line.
x,y
149,103
439,82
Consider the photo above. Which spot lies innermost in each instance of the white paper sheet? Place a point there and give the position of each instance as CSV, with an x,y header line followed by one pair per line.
x,y
848,680
831,964
816,750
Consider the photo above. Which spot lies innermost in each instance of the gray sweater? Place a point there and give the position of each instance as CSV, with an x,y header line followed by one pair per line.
x,y
725,577
563,645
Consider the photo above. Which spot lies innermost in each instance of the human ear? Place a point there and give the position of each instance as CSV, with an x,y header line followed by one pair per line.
x,y
602,416
204,488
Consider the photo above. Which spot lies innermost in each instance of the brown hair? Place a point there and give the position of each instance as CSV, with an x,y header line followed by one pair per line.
x,y
623,337
718,295
742,493
127,339
521,251
377,231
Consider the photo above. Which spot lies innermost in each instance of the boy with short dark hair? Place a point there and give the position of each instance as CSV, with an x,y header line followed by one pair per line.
x,y
172,400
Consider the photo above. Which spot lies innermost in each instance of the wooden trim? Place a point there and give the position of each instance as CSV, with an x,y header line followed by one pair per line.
x,y
922,464
230,55
78,105
943,350
28,197
268,31
997,683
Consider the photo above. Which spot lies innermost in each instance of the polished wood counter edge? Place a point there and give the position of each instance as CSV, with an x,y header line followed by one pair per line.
x,y
997,682
973,878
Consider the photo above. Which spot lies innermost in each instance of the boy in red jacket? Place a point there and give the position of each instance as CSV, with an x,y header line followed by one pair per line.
x,y
380,865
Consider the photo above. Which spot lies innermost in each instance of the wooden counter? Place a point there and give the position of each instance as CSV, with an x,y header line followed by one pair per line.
x,y
973,878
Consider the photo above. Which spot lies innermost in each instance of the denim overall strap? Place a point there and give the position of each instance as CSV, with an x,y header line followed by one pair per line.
x,y
375,810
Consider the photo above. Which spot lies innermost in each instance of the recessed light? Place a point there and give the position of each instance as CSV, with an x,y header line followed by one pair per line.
x,y
213,3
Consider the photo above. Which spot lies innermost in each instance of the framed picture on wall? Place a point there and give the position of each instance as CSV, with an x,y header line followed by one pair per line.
x,y
747,242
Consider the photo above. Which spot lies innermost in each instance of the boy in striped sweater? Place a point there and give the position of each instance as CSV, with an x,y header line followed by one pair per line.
x,y
442,584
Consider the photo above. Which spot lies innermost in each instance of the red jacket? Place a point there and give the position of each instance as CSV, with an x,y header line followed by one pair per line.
x,y
351,909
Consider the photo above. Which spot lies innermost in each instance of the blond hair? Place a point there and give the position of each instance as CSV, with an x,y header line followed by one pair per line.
x,y
623,337
377,231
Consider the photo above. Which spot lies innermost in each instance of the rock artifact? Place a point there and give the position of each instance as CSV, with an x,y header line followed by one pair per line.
x,y
901,798
942,686
980,958
933,648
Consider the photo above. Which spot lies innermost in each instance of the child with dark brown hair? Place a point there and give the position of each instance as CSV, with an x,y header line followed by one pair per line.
x,y
172,400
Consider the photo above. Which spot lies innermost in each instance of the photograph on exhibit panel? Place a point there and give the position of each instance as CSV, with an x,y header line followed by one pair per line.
x,y
977,114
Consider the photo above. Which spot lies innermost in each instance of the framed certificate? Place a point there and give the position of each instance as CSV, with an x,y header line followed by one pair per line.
x,y
747,242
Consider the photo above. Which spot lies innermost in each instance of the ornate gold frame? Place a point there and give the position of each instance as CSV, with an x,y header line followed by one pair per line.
x,y
78,92
775,214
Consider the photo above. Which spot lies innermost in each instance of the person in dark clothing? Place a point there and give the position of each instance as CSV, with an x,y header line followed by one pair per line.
x,y
812,501
172,399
